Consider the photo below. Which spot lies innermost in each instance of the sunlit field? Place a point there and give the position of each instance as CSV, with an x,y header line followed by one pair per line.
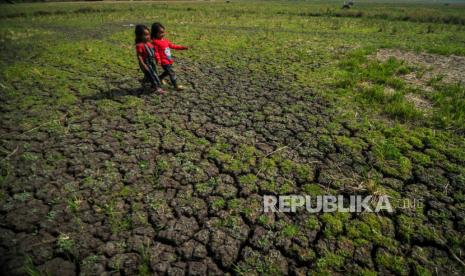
x,y
99,174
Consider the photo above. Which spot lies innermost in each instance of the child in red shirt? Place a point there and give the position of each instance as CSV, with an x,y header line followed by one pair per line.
x,y
146,55
163,53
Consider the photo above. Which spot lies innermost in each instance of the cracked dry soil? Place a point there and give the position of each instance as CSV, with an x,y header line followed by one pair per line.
x,y
173,184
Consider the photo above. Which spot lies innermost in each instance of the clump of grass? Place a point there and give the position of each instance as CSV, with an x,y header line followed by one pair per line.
x,y
374,94
392,262
450,101
117,219
385,72
329,261
30,268
371,79
390,159
398,108
67,245
290,230
74,204
333,224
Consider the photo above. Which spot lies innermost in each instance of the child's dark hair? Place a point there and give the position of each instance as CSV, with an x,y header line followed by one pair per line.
x,y
156,27
140,33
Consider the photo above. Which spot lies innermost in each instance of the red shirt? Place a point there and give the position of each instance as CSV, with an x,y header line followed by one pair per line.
x,y
163,50
140,49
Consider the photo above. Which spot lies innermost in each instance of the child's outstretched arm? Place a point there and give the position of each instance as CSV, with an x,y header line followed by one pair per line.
x,y
177,47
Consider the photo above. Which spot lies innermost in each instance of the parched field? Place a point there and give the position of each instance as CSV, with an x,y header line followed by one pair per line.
x,y
101,177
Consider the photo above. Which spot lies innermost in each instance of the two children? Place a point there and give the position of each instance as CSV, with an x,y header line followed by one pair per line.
x,y
146,55
156,48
